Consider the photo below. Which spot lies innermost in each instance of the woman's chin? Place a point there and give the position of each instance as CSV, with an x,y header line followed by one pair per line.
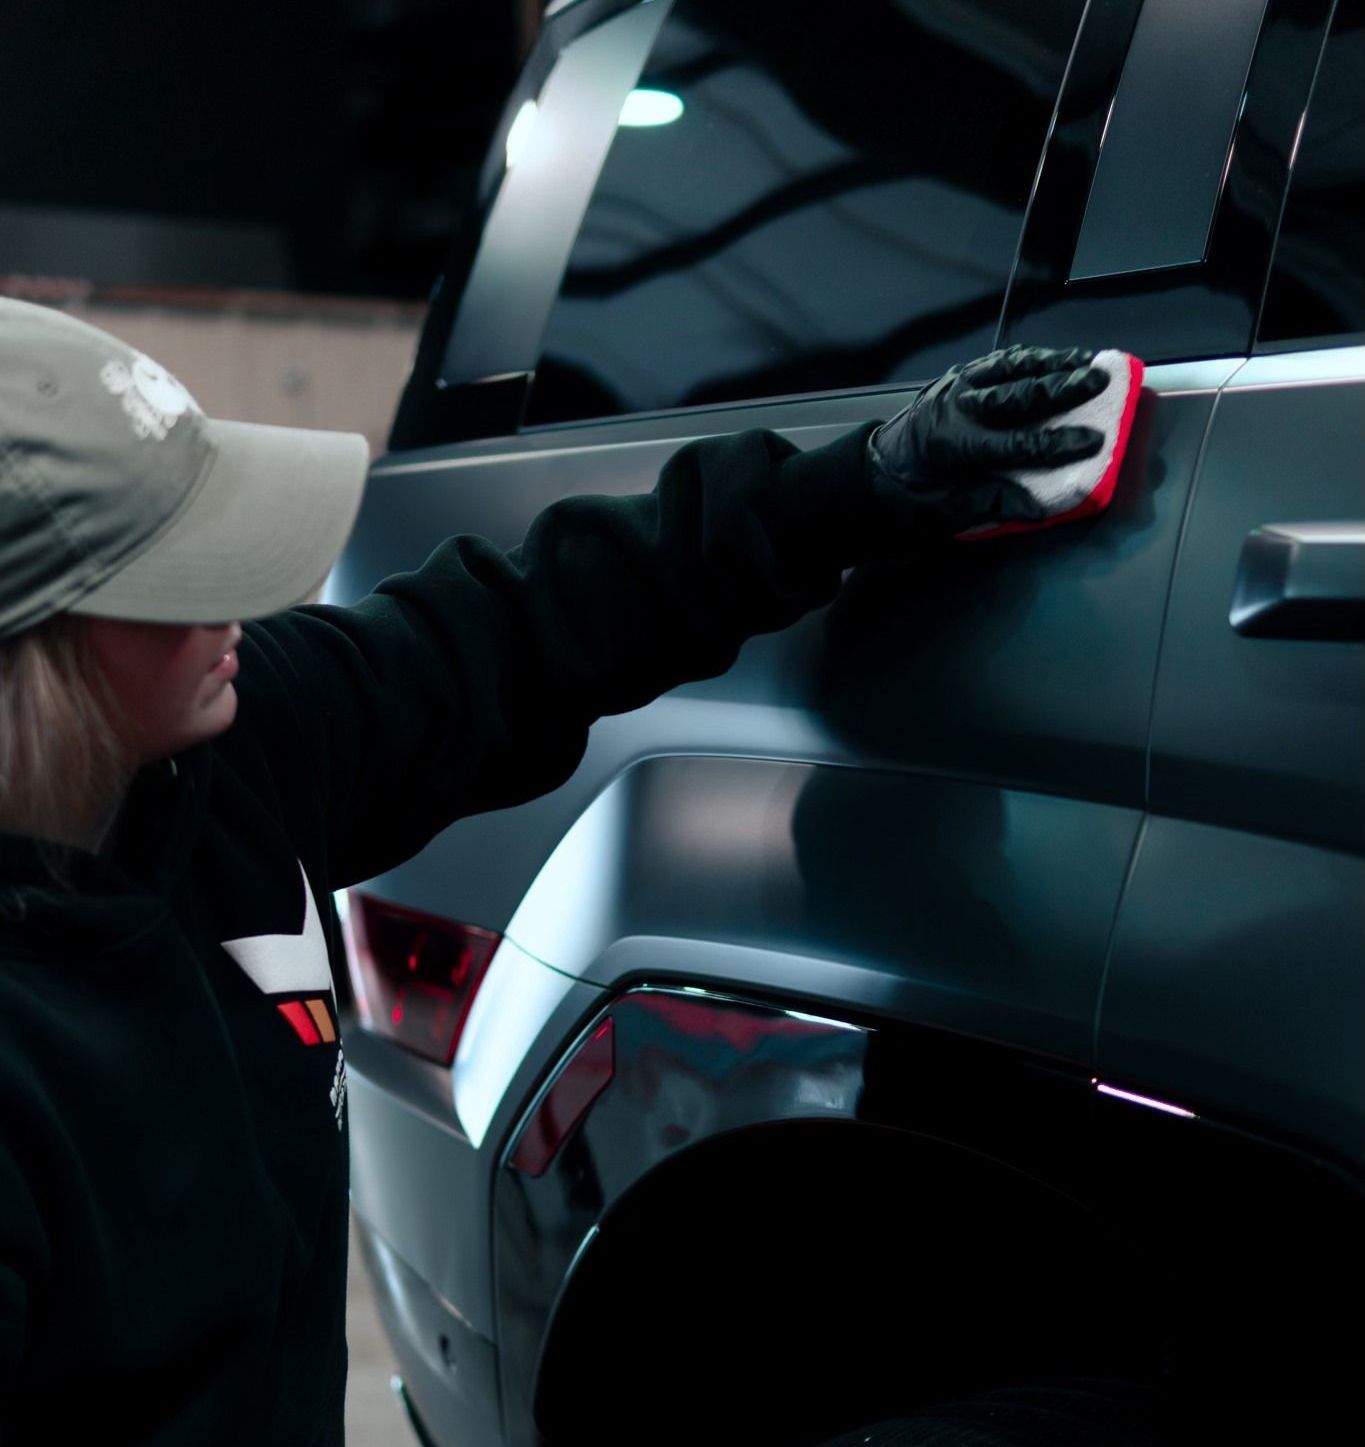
x,y
222,712
214,716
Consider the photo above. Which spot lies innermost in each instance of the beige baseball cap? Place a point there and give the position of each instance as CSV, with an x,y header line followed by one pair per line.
x,y
120,499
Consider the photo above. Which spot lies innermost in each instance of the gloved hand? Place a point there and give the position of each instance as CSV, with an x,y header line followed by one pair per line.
x,y
952,446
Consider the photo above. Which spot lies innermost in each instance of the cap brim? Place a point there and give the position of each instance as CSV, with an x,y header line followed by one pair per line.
x,y
261,532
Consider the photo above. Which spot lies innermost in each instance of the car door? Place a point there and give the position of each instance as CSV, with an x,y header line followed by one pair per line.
x,y
1232,1121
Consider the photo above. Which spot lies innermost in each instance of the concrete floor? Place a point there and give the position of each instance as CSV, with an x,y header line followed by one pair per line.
x,y
373,1416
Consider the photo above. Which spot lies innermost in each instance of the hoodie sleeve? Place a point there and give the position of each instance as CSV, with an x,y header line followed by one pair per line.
x,y
471,683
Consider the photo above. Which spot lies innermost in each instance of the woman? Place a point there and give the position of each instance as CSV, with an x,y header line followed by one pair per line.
x,y
179,795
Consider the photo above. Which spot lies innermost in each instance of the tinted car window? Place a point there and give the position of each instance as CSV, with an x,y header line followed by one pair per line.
x,y
1317,284
837,204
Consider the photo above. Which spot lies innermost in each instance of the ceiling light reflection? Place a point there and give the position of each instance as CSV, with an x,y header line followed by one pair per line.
x,y
650,108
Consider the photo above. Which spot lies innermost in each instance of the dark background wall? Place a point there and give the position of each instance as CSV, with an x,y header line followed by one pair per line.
x,y
310,145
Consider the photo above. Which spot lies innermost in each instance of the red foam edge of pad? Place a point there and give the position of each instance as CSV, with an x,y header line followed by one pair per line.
x,y
1102,493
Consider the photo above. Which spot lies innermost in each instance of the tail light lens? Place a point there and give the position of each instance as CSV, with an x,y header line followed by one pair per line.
x,y
415,975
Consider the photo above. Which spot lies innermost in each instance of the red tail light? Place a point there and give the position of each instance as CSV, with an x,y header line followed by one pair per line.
x,y
415,975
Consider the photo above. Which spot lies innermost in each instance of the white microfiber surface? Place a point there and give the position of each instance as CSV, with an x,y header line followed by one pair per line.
x,y
1060,489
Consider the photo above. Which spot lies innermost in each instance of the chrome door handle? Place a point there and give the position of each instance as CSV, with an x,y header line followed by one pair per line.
x,y
1301,580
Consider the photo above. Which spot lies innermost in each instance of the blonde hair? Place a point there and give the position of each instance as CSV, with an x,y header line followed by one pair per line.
x,y
60,754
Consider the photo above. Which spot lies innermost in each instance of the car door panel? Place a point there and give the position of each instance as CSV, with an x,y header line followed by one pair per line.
x,y
1264,733
1237,982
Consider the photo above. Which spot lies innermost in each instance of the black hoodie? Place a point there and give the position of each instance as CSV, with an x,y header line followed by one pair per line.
x,y
173,1159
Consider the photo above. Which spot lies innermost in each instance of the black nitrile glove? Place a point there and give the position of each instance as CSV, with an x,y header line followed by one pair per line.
x,y
952,446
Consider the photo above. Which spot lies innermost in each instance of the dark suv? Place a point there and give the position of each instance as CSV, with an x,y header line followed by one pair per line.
x,y
966,989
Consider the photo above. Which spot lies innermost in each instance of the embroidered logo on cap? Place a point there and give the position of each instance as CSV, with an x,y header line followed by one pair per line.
x,y
152,398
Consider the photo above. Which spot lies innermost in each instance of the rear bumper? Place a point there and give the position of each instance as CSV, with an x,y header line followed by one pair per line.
x,y
449,1372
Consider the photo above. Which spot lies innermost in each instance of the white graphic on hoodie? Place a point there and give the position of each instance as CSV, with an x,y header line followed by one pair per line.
x,y
293,962
337,1095
152,398
296,966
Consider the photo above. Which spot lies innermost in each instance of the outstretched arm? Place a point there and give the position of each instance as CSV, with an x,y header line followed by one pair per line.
x,y
470,684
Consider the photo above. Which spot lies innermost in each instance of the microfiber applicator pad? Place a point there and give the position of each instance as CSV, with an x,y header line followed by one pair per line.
x,y
1080,488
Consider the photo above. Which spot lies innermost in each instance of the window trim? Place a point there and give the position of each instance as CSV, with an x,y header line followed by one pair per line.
x,y
1270,346
1165,313
1141,130
432,409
